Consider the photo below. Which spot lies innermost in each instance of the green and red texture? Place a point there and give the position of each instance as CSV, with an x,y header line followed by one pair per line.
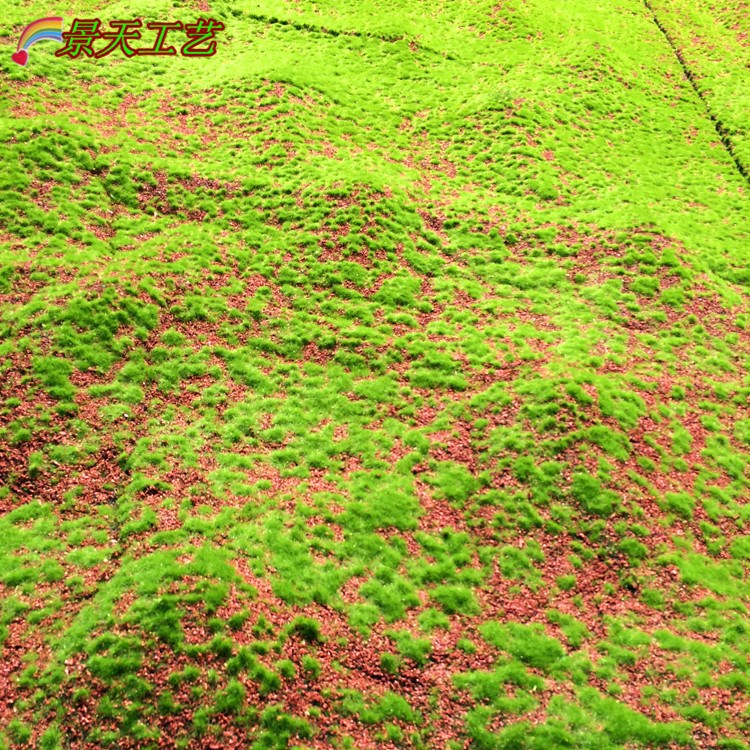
x,y
380,382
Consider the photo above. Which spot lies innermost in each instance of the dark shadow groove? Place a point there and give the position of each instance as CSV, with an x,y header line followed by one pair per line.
x,y
336,32
719,126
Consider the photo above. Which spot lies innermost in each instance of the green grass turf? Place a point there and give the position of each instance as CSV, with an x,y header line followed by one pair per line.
x,y
378,382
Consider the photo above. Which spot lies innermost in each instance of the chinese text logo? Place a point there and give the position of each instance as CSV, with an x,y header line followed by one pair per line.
x,y
84,33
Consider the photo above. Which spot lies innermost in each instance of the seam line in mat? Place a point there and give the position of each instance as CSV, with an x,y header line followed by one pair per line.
x,y
719,126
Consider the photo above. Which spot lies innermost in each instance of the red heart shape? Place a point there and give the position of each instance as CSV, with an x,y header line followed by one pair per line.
x,y
21,57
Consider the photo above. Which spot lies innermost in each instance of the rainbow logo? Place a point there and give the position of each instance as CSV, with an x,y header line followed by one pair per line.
x,y
44,28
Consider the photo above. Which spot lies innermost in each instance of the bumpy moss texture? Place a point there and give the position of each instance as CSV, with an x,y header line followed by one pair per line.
x,y
379,382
